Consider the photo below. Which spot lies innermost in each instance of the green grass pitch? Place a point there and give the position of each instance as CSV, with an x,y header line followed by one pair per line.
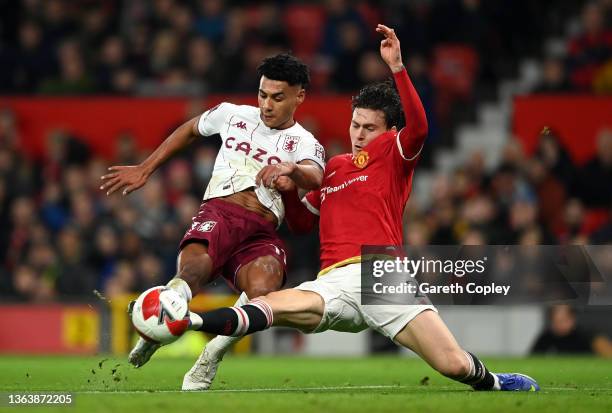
x,y
296,384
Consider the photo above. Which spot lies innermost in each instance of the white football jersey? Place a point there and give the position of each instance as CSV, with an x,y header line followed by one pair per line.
x,y
249,145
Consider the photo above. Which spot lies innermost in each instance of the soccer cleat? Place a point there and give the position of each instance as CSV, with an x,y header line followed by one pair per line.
x,y
203,372
142,352
516,382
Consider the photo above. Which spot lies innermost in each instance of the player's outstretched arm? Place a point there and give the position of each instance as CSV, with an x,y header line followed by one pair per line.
x,y
413,135
131,177
306,174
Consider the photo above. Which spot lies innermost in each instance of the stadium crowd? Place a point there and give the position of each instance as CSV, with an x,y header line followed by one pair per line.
x,y
158,47
62,237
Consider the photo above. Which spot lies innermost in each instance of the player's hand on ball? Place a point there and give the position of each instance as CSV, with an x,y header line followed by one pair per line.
x,y
128,178
268,175
390,50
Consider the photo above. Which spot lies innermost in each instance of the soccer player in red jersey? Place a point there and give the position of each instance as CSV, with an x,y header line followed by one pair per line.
x,y
361,201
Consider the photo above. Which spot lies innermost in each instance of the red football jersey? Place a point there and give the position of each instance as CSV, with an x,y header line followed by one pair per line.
x,y
362,199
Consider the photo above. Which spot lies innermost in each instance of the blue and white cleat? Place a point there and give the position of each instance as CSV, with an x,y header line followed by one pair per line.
x,y
516,382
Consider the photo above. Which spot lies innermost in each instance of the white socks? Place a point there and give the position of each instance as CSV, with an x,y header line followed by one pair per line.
x,y
180,286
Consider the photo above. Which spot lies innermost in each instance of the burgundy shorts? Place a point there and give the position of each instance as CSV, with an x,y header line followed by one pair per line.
x,y
235,237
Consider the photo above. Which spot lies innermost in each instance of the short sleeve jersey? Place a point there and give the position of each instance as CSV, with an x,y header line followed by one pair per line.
x,y
247,146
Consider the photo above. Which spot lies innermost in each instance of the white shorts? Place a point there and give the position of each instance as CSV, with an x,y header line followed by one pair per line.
x,y
341,292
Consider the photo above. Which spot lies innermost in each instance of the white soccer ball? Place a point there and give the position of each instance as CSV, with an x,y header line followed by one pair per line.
x,y
160,315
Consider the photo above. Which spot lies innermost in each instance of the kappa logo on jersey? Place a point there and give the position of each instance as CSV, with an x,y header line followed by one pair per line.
x,y
253,151
207,226
320,151
290,144
240,125
361,160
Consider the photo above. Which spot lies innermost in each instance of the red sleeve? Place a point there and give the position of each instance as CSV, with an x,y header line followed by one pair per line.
x,y
412,136
312,201
299,219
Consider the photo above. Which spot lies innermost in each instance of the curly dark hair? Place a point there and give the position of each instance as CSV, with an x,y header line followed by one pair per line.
x,y
381,96
285,67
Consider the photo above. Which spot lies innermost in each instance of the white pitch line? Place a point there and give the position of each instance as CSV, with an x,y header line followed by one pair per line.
x,y
260,390
303,389
602,389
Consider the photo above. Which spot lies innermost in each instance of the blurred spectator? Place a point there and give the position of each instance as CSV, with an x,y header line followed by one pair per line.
x,y
96,27
564,335
19,232
596,175
32,59
73,77
53,212
74,275
122,281
589,50
181,22
603,235
211,22
554,78
343,27
413,27
371,68
29,286
150,272
105,254
58,21
345,76
125,149
267,27
9,138
112,58
164,55
556,160
202,63
573,219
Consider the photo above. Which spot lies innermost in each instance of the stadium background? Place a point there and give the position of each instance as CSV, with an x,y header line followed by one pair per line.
x,y
87,84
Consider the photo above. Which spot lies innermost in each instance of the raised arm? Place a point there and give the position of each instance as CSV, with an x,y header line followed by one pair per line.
x,y
131,177
413,135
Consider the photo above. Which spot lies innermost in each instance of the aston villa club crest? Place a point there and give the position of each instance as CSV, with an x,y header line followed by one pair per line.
x,y
320,152
290,143
361,159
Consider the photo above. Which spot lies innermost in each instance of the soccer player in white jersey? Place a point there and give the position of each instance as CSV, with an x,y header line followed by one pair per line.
x,y
234,233
361,202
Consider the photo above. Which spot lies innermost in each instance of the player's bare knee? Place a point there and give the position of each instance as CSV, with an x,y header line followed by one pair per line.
x,y
261,277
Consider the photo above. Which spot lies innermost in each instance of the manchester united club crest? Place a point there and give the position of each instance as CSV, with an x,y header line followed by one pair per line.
x,y
361,159
290,143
